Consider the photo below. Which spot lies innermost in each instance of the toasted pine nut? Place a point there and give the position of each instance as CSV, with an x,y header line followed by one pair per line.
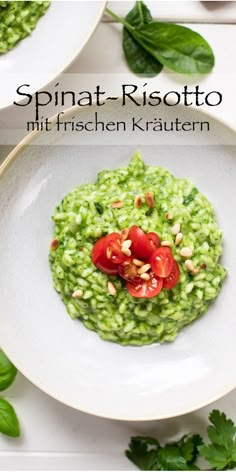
x,y
118,204
111,288
54,244
166,243
127,243
138,263
138,201
149,199
169,216
144,268
176,229
145,276
124,233
195,271
108,253
178,238
186,252
189,265
77,293
126,251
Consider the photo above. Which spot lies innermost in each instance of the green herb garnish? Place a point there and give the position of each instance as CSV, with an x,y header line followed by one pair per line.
x,y
149,45
99,207
9,423
147,453
149,212
7,372
190,197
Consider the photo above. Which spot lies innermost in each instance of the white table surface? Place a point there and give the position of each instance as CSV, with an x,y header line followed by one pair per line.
x,y
55,437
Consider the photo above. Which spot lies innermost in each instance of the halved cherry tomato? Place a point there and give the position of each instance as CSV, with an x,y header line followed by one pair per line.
x,y
140,288
100,260
113,248
127,270
172,279
141,246
161,261
154,240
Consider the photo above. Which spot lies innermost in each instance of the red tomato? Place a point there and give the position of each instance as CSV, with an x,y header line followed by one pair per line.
x,y
140,288
127,270
173,278
161,261
113,248
141,246
154,240
100,260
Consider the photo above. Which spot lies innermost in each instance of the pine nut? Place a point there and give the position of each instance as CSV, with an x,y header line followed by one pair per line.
x,y
118,204
108,253
166,243
77,293
176,229
169,216
126,251
111,288
54,244
127,243
144,268
138,263
195,271
186,252
149,199
189,265
124,233
137,201
145,276
178,238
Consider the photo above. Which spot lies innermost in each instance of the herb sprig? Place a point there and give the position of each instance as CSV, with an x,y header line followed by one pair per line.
x,y
9,423
147,453
149,45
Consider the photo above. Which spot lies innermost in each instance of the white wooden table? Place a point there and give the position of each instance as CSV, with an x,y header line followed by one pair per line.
x,y
55,437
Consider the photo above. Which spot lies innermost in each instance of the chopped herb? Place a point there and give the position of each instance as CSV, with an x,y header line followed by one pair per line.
x,y
149,212
190,197
99,208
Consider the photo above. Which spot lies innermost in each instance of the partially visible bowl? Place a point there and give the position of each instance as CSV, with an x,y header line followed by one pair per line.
x,y
58,38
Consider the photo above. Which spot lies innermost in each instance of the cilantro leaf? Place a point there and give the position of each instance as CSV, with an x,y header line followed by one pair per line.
x,y
221,453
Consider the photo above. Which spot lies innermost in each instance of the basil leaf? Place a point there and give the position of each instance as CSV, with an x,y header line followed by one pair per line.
x,y
9,423
176,47
7,372
139,60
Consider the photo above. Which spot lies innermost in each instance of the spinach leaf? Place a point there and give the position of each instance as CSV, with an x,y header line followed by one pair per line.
x,y
7,372
139,60
176,47
9,423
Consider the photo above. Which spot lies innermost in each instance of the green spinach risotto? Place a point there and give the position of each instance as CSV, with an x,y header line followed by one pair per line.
x,y
135,256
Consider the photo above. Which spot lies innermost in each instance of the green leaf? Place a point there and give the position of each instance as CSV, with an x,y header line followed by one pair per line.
x,y
99,207
170,458
190,197
9,423
7,372
143,452
176,47
139,60
189,447
221,453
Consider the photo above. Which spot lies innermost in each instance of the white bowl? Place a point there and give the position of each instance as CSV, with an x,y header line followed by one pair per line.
x,y
62,357
60,35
